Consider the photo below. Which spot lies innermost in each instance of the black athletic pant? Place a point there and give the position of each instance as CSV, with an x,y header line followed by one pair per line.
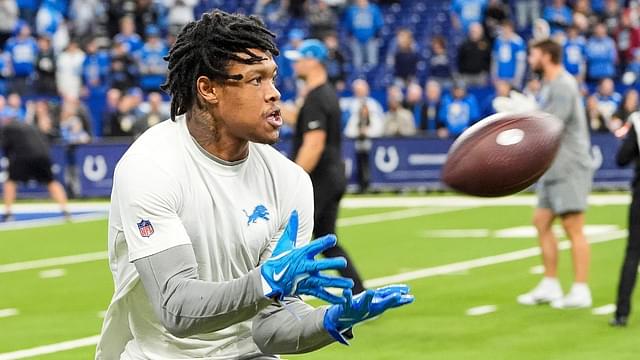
x,y
327,201
632,258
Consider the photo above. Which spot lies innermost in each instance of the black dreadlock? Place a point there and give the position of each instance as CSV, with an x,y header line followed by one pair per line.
x,y
205,47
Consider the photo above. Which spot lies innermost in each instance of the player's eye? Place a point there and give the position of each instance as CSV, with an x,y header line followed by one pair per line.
x,y
256,81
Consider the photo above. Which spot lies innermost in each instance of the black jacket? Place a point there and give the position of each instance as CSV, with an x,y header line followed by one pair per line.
x,y
629,152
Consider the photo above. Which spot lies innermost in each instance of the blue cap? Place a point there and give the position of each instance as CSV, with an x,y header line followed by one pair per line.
x,y
152,31
296,34
309,49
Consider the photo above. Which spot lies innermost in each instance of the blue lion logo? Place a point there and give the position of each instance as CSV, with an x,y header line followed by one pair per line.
x,y
260,212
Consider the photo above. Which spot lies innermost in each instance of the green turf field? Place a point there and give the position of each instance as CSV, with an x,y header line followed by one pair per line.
x,y
396,241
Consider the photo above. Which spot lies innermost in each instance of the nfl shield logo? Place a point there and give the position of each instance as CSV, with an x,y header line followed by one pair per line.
x,y
145,227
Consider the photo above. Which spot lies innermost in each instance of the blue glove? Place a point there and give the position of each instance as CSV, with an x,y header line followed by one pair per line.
x,y
364,306
293,271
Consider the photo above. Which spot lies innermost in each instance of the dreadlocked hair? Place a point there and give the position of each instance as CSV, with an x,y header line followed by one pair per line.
x,y
206,46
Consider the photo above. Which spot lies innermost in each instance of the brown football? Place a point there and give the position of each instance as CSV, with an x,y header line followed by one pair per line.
x,y
503,154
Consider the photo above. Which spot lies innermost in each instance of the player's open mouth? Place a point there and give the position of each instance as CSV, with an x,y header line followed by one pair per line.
x,y
274,118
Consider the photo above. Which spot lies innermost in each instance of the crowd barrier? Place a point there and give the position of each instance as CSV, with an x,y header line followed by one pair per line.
x,y
395,164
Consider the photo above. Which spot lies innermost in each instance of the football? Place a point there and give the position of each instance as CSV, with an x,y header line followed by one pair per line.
x,y
502,154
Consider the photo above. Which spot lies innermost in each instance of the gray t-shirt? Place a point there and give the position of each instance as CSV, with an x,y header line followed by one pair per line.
x,y
561,98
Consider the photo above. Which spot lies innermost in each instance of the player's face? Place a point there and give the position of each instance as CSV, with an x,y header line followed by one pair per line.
x,y
535,60
248,108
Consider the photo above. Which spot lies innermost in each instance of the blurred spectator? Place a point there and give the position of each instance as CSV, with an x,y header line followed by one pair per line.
x,y
74,122
366,121
527,11
155,114
45,81
474,57
627,38
399,121
148,13
123,68
14,108
180,13
495,14
629,106
611,15
321,18
27,10
431,109
69,70
110,109
459,111
363,21
9,16
404,58
583,17
558,15
128,36
439,62
39,114
606,103
22,51
354,105
95,68
414,101
500,88
151,63
632,72
48,19
541,30
270,10
574,53
285,66
509,56
83,15
466,12
126,114
601,55
335,63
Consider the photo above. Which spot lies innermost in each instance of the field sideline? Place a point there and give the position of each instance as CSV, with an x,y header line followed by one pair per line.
x,y
465,258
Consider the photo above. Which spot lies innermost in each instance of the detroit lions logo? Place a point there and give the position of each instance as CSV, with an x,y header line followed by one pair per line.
x,y
260,212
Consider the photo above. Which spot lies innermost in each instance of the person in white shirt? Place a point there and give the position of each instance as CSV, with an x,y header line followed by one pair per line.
x,y
209,226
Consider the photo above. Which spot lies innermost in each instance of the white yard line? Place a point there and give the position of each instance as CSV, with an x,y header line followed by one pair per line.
x,y
413,275
481,310
393,215
57,261
29,224
101,255
8,312
604,310
49,349
465,201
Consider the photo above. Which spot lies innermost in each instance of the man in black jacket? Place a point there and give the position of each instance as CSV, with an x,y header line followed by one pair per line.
x,y
28,153
474,57
627,154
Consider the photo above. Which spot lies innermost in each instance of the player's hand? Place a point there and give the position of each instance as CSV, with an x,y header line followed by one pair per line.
x,y
364,306
293,271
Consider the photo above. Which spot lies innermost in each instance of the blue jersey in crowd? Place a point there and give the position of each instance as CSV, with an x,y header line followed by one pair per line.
x,y
95,70
22,54
601,57
508,55
608,104
459,114
557,17
574,55
28,4
363,23
48,19
152,65
469,11
132,43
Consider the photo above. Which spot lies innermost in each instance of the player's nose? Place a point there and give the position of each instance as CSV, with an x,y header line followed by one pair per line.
x,y
272,94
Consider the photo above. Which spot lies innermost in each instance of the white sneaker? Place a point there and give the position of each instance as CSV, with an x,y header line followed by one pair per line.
x,y
578,298
548,290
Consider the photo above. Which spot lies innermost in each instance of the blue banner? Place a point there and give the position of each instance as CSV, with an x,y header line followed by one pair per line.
x,y
96,164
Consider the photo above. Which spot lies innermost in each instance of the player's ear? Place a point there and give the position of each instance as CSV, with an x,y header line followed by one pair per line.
x,y
207,90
